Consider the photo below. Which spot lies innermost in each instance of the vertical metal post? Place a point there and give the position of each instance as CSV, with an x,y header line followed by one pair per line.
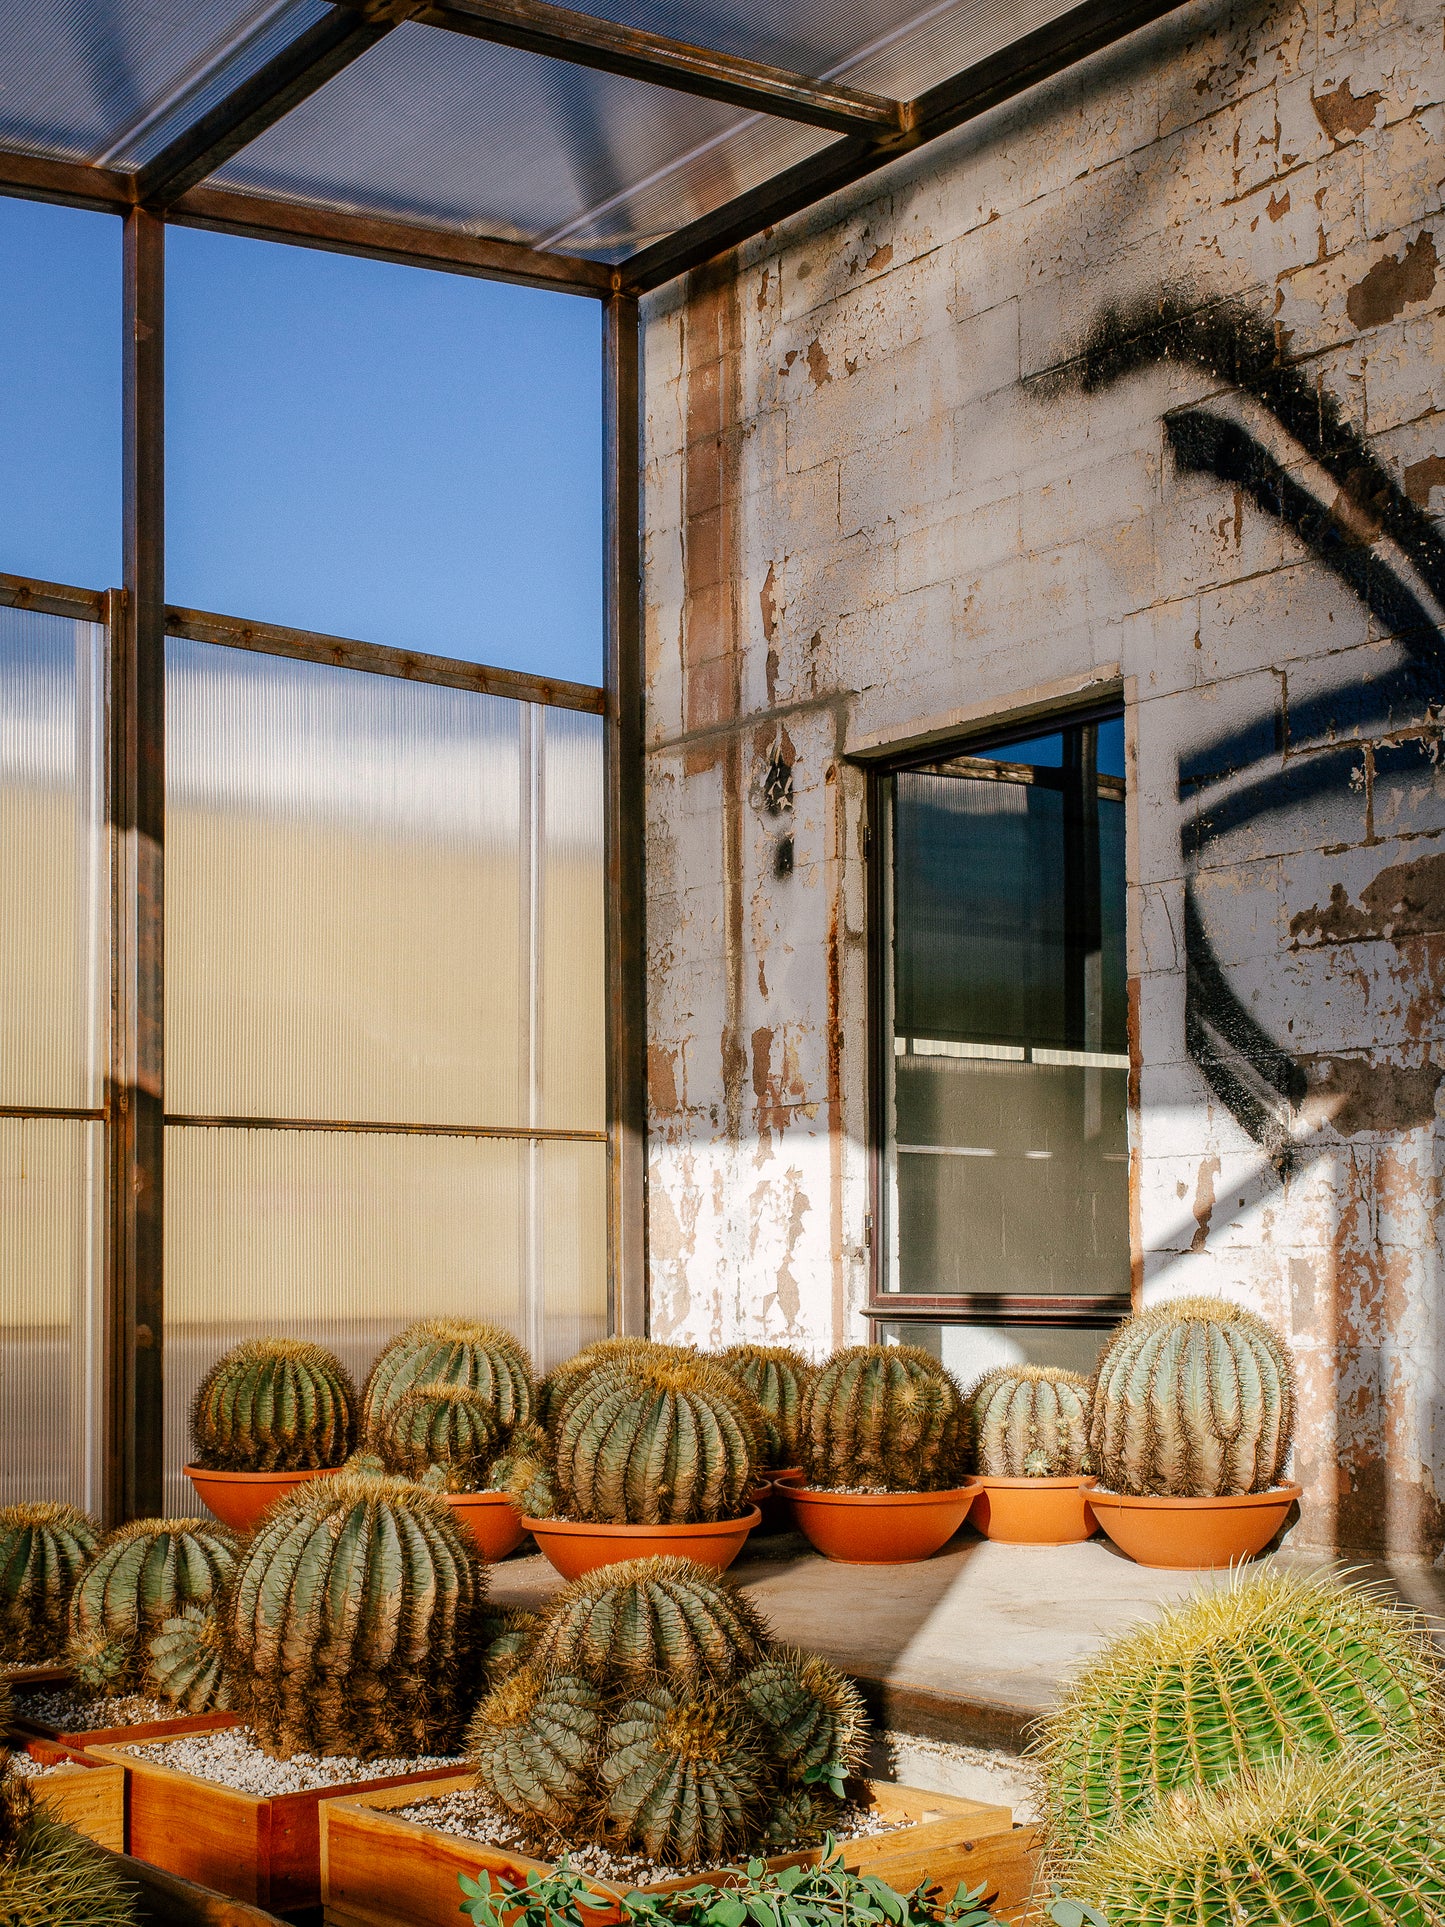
x,y
626,881
137,811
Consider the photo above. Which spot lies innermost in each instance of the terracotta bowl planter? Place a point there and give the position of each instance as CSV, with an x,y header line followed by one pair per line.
x,y
775,1505
575,1546
878,1528
491,1518
238,1499
1033,1512
1193,1535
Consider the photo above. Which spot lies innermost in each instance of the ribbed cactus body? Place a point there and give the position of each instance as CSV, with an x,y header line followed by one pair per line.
x,y
44,1548
800,1816
650,1618
143,1574
1273,1666
274,1405
776,1376
1193,1399
657,1442
560,1383
684,1776
450,1351
352,1621
1028,1422
186,1663
1309,1843
886,1418
505,1638
810,1715
531,1745
444,1425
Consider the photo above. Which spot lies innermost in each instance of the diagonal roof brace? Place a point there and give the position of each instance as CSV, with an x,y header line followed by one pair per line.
x,y
588,41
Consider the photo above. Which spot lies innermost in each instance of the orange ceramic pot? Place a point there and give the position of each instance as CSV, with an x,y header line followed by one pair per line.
x,y
1033,1512
776,1507
878,1528
1193,1535
575,1546
491,1518
238,1499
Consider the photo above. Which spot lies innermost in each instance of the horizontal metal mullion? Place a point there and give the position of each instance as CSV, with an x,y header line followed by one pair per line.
x,y
77,1113
386,1128
52,598
44,177
1085,1313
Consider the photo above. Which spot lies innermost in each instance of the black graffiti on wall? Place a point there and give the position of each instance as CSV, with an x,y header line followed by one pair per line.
x,y
1276,760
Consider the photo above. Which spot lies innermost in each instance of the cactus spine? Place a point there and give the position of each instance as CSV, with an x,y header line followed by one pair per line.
x,y
51,1876
645,1619
440,1425
186,1664
812,1716
1193,1399
684,1776
1337,1843
273,1405
352,1621
1030,1422
43,1551
1274,1666
656,1442
531,1745
143,1574
886,1418
450,1351
776,1376
560,1383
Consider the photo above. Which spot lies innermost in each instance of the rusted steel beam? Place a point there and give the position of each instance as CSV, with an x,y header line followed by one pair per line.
x,y
262,218
524,1132
626,924
265,97
589,41
136,1099
67,1112
272,639
39,177
52,598
973,1308
1083,30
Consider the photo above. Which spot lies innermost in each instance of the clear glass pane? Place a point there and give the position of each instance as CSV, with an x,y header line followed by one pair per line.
x,y
971,1350
53,889
572,975
1009,1152
52,1217
342,1237
572,1243
344,890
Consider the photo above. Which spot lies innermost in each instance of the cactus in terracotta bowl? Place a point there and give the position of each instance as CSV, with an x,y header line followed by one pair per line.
x,y
269,1415
1029,1432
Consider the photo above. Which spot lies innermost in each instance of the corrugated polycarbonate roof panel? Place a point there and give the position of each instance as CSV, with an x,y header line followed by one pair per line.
x,y
113,80
437,127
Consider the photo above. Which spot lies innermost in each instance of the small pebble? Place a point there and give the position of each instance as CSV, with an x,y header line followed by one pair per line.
x,y
232,1758
73,1712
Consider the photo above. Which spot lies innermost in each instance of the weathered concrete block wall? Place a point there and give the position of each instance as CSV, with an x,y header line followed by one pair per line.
x,y
1137,382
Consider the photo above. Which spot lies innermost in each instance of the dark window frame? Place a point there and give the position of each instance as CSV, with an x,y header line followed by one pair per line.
x,y
974,1308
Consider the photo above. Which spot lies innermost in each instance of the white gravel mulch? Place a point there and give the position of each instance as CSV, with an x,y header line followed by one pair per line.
x,y
232,1758
468,1815
25,1768
75,1712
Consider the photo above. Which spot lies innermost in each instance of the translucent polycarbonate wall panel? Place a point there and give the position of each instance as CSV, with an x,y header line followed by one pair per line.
x,y
971,1350
52,1215
341,1237
344,895
572,1246
54,968
572,967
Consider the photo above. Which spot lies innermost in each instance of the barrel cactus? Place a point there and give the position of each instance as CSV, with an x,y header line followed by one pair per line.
x,y
273,1405
560,1383
776,1376
440,1425
647,1619
50,1875
187,1666
450,1351
684,1776
1192,1400
143,1574
532,1747
1029,1422
44,1549
656,1441
1305,1843
352,1622
810,1714
884,1418
1273,1666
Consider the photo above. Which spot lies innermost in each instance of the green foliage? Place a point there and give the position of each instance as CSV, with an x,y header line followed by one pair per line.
x,y
532,1744
143,1574
186,1663
273,1405
52,1877
1193,1399
654,1441
352,1622
44,1549
645,1619
1274,1666
450,1351
777,1376
1029,1422
440,1425
1311,1842
884,1418
685,1775
811,1715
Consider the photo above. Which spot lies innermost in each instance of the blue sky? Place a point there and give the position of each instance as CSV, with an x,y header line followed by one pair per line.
x,y
407,457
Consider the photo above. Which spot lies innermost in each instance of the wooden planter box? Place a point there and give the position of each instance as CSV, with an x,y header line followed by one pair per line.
x,y
57,1675
380,1870
165,1900
81,1792
265,1849
125,1735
